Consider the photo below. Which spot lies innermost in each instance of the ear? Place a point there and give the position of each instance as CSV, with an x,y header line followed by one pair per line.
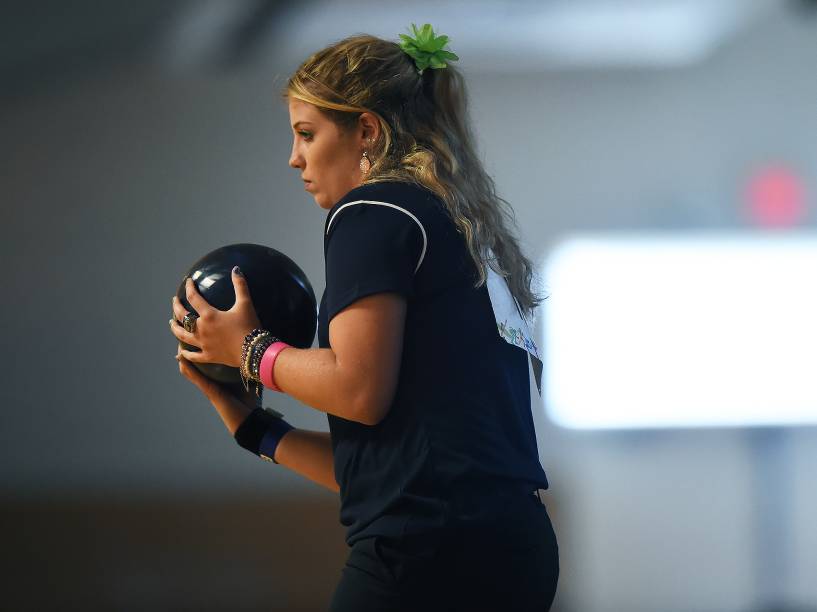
x,y
369,129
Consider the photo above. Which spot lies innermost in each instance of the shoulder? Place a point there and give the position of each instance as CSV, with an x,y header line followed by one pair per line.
x,y
399,191
385,202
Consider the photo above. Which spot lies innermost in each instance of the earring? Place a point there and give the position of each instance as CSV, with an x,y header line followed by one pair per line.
x,y
365,163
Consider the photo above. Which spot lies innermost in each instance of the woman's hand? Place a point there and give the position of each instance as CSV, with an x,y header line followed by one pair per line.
x,y
233,410
219,334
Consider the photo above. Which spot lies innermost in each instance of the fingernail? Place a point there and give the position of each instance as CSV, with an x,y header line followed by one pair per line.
x,y
237,270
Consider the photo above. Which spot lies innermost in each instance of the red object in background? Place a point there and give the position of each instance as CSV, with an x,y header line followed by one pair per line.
x,y
776,198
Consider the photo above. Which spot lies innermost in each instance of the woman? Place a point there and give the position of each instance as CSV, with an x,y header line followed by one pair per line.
x,y
422,365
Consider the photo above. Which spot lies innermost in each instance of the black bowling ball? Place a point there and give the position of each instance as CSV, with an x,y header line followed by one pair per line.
x,y
281,293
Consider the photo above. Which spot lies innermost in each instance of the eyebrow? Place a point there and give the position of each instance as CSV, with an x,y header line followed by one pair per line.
x,y
297,123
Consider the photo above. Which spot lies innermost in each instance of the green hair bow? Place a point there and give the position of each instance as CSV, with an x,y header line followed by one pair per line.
x,y
427,49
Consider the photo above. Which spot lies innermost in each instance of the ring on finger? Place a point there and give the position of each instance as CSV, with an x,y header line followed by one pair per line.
x,y
189,322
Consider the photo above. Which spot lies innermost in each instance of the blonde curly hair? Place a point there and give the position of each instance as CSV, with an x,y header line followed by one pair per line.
x,y
424,139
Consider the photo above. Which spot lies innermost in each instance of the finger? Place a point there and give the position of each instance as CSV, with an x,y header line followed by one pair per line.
x,y
194,298
242,290
178,309
182,335
190,372
184,365
194,357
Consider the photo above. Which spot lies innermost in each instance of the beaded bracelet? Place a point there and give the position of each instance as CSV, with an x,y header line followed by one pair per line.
x,y
259,352
248,339
249,353
249,367
245,349
256,354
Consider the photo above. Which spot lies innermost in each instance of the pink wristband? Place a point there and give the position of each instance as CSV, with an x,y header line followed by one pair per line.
x,y
268,363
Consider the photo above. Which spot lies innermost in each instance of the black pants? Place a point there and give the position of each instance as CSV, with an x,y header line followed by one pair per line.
x,y
511,565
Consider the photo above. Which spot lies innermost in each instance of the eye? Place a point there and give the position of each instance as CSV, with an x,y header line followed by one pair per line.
x,y
305,135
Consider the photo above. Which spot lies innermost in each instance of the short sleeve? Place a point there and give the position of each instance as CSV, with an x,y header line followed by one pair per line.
x,y
371,247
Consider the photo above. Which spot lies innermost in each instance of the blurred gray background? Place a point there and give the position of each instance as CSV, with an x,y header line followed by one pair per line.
x,y
139,136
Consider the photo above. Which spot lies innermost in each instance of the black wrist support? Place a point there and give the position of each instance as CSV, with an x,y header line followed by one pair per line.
x,y
249,433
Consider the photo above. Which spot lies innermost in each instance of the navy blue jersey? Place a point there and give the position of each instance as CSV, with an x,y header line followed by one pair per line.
x,y
459,431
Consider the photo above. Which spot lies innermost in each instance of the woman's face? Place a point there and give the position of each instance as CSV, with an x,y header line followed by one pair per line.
x,y
328,158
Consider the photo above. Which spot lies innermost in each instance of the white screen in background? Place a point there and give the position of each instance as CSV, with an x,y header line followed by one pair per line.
x,y
669,330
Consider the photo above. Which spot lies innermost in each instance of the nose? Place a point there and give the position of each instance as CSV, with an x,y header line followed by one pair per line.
x,y
295,158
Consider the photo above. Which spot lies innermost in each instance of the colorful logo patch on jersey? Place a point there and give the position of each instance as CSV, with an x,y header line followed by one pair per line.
x,y
517,337
510,324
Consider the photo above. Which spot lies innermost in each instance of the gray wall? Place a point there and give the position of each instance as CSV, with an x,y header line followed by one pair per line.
x,y
113,187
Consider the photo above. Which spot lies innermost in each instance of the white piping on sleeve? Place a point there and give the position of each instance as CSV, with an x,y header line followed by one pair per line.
x,y
416,220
